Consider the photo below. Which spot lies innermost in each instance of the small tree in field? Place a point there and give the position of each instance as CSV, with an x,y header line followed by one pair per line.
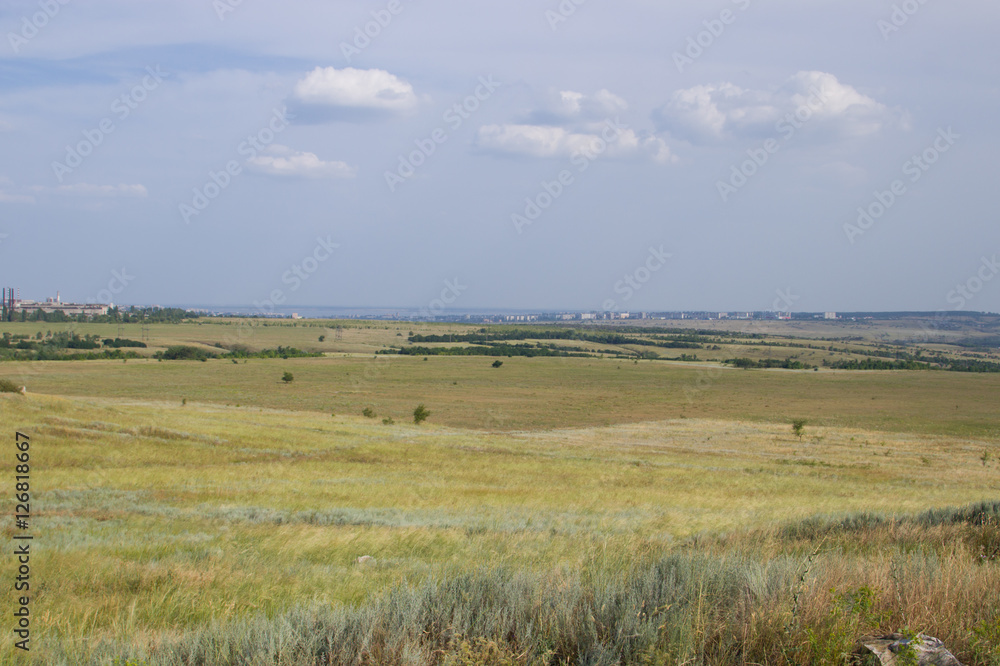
x,y
420,414
287,377
497,364
799,427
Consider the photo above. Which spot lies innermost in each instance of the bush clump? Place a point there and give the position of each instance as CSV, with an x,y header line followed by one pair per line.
x,y
184,353
118,343
7,386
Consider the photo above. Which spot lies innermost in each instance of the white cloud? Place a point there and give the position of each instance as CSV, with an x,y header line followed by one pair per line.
x,y
8,192
283,161
87,190
355,89
715,112
15,198
543,141
658,150
570,102
568,107
533,140
602,104
572,123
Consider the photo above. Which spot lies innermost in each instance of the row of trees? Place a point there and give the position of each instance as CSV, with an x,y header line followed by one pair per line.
x,y
492,350
483,336
189,353
115,315
766,363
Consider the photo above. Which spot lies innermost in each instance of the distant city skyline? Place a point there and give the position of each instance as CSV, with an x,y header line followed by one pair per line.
x,y
436,312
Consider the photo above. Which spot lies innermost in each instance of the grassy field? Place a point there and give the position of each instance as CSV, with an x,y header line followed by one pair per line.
x,y
545,392
811,342
552,510
157,518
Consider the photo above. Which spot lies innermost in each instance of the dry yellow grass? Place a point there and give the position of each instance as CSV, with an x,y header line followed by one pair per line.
x,y
156,517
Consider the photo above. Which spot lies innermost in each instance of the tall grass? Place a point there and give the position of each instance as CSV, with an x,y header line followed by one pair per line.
x,y
724,600
185,535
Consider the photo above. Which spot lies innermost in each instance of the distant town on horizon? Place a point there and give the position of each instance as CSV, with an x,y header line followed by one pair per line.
x,y
15,307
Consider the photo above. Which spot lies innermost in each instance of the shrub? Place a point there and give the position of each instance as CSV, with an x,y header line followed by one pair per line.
x,y
420,414
118,343
185,353
7,386
387,421
497,364
287,377
702,604
986,640
368,412
799,427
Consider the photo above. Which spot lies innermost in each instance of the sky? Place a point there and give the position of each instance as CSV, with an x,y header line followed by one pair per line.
x,y
802,155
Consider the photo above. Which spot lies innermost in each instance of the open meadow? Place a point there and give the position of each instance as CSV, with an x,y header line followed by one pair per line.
x,y
597,510
520,333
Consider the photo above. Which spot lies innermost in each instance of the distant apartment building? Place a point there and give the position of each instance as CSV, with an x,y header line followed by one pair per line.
x,y
830,315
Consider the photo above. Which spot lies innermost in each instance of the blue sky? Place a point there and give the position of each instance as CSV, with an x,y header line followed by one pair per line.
x,y
516,154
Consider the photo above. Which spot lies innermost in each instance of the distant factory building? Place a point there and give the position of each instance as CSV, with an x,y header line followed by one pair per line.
x,y
51,305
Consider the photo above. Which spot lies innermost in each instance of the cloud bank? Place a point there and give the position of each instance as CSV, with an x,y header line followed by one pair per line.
x,y
716,112
572,123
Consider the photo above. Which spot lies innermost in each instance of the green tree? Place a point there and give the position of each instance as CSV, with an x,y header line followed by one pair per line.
x,y
420,414
799,427
497,364
287,377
